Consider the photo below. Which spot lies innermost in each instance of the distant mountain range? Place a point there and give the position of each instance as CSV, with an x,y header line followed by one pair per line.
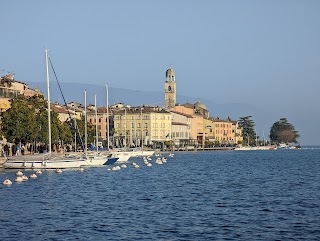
x,y
75,92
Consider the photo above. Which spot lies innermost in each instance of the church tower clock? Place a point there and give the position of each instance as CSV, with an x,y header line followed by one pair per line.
x,y
170,94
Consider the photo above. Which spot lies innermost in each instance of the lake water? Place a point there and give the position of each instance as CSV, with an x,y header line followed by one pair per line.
x,y
226,195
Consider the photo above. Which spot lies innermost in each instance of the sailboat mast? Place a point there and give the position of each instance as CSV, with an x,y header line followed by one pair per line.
x,y
96,112
85,124
49,102
108,137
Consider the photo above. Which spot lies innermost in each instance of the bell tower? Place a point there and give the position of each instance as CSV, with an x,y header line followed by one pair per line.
x,y
170,94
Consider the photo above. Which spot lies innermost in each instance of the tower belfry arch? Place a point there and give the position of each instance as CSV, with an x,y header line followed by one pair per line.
x,y
170,92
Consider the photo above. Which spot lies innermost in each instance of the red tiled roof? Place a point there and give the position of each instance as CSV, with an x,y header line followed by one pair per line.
x,y
58,109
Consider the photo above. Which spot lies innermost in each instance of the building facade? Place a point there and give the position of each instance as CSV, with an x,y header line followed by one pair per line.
x,y
101,122
224,131
196,121
10,88
145,125
181,129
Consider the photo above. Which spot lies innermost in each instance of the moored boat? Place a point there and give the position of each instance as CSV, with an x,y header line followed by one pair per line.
x,y
46,161
98,159
32,162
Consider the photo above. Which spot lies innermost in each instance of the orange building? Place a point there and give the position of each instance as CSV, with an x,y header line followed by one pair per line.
x,y
196,121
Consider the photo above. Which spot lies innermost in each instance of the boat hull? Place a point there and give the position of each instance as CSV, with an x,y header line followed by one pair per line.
x,y
100,161
139,153
49,164
111,160
122,157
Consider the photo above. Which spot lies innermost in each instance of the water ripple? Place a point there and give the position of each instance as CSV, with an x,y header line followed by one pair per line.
x,y
271,195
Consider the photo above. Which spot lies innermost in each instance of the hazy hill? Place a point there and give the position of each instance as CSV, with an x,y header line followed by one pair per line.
x,y
75,92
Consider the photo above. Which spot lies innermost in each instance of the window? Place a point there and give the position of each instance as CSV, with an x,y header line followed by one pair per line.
x,y
139,125
118,125
99,120
145,125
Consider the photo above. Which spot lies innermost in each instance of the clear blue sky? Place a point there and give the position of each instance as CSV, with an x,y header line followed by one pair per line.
x,y
262,53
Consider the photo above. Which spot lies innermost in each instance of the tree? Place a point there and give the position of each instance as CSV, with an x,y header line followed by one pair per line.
x,y
26,121
283,131
248,133
80,130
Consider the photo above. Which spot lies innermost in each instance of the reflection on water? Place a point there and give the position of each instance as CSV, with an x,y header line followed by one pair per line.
x,y
255,195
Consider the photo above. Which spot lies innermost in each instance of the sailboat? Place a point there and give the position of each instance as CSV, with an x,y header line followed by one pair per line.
x,y
95,158
46,161
122,157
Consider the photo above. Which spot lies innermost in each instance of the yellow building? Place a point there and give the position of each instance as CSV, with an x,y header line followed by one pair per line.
x,y
136,125
208,129
237,130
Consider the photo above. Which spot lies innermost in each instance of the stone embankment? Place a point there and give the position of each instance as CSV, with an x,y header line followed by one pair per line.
x,y
2,160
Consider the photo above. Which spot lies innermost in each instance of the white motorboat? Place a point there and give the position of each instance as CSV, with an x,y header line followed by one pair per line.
x,y
244,148
123,156
99,159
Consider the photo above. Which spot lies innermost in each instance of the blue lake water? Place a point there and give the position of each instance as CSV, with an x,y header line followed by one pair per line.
x,y
226,195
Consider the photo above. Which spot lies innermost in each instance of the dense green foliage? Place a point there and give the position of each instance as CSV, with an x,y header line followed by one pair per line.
x,y
283,132
79,128
248,133
27,122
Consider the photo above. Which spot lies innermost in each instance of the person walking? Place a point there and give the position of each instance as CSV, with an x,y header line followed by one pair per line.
x,y
6,150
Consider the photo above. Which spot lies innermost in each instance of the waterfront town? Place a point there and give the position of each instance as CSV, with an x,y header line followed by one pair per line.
x,y
187,126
